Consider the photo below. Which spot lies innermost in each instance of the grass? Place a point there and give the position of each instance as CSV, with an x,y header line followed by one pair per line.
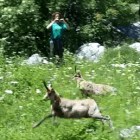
x,y
24,107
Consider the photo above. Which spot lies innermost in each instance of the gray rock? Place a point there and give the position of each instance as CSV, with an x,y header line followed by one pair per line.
x,y
91,51
132,30
35,59
129,133
136,46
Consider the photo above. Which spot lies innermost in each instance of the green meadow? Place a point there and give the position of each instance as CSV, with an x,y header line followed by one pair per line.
x,y
22,91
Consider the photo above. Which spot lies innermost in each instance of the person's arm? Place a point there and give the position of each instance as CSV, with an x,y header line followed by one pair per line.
x,y
49,26
65,23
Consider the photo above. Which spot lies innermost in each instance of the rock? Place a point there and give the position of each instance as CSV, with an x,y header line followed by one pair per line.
x,y
129,133
91,51
132,30
35,59
136,46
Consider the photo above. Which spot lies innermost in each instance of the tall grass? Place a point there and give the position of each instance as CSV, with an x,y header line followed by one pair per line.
x,y
24,107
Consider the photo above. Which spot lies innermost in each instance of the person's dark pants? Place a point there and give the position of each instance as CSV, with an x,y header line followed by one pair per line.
x,y
58,48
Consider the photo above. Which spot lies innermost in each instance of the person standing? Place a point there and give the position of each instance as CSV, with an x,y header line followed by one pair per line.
x,y
57,25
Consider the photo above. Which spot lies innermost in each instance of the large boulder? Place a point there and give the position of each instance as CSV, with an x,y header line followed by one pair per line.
x,y
91,51
136,46
132,30
36,59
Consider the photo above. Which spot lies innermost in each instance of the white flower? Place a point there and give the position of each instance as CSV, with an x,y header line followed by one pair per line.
x,y
9,10
38,91
137,87
45,61
87,72
122,66
5,8
20,107
69,68
9,91
118,71
78,62
1,77
9,73
2,97
14,82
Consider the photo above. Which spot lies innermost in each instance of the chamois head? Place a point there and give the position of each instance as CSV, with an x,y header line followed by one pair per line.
x,y
77,76
51,94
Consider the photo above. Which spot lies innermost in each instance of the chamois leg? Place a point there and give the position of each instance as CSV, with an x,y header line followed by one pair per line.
x,y
48,116
94,112
55,120
100,116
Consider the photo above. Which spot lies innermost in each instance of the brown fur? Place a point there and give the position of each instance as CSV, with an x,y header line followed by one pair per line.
x,y
90,87
66,108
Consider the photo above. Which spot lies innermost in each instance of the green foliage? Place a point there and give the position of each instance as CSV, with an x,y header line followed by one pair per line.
x,y
24,107
130,1
121,55
23,23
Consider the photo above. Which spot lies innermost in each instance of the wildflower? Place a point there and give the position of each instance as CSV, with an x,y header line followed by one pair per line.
x,y
2,97
45,61
38,91
135,92
9,91
78,62
14,82
20,107
88,75
87,72
1,77
69,68
9,10
118,71
122,66
137,87
9,73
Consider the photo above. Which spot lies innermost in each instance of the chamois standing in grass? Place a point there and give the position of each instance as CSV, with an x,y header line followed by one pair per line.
x,y
66,108
90,87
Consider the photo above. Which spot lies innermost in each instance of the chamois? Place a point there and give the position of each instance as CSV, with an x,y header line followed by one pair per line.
x,y
66,108
90,87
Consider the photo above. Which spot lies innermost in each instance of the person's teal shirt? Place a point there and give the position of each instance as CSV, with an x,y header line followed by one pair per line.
x,y
57,29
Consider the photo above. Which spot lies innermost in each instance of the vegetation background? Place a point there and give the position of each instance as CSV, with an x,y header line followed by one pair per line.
x,y
23,23
23,32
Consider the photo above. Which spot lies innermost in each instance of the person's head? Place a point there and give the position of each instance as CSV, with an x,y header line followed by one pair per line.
x,y
56,15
